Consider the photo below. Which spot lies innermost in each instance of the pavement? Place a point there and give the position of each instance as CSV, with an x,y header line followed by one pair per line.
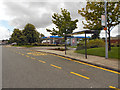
x,y
108,63
27,68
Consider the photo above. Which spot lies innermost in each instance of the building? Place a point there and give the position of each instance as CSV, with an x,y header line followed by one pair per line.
x,y
115,39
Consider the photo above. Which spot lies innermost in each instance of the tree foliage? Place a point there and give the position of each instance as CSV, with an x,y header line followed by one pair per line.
x,y
63,23
17,37
93,12
30,33
27,36
42,35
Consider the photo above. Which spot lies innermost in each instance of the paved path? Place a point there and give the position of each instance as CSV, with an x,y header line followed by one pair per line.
x,y
25,68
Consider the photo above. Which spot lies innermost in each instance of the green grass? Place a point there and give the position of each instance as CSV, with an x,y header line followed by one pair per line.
x,y
72,46
101,52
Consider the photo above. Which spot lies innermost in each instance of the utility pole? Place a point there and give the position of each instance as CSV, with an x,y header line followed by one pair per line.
x,y
106,45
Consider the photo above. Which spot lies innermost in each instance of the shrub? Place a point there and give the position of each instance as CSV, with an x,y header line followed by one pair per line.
x,y
91,44
95,43
115,44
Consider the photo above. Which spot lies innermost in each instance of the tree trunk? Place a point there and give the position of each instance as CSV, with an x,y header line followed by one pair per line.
x,y
109,43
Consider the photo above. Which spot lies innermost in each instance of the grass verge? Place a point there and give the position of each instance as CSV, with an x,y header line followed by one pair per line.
x,y
101,52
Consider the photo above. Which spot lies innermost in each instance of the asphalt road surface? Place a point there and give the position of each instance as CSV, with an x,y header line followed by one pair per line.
x,y
25,68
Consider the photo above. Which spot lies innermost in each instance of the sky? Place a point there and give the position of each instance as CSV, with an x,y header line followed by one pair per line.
x,y
17,13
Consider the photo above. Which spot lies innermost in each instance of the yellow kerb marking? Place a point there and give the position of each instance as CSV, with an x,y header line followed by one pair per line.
x,y
79,75
100,68
69,59
60,56
42,61
114,88
55,66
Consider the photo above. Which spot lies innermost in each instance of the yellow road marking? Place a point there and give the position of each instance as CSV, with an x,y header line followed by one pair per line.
x,y
22,54
79,75
36,53
55,66
27,56
42,61
92,65
88,64
32,58
114,88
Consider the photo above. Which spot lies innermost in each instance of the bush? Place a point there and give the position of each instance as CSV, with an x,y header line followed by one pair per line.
x,y
95,43
91,44
115,44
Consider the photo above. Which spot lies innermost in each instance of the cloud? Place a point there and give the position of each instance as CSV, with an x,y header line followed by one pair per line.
x,y
22,13
39,13
4,33
73,7
114,32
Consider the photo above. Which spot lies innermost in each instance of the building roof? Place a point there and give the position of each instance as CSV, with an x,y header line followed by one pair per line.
x,y
59,37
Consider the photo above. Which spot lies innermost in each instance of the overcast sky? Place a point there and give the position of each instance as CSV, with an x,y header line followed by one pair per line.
x,y
16,14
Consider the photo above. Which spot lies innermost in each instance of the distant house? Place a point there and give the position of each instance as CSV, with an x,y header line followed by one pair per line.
x,y
115,39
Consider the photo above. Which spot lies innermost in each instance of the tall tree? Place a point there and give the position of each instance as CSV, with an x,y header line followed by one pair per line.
x,y
42,35
63,23
93,12
17,37
31,34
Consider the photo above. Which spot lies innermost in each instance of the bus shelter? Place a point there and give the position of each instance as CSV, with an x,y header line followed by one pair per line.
x,y
84,32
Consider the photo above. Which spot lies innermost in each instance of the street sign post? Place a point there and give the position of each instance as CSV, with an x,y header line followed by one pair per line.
x,y
106,45
104,24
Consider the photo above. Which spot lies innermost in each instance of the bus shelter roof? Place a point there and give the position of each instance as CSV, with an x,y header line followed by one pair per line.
x,y
83,32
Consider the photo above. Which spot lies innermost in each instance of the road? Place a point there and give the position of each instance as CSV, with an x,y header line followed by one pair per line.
x,y
26,68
